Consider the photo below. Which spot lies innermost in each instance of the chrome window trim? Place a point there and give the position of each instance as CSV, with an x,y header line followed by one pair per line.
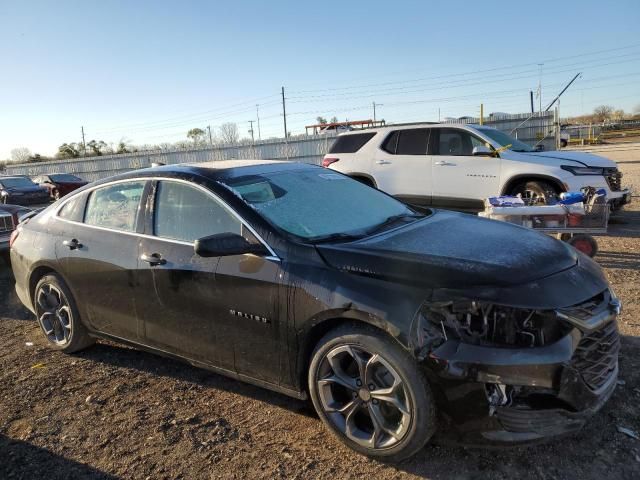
x,y
214,196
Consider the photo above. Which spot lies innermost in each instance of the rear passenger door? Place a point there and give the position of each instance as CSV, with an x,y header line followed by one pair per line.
x,y
402,167
462,181
98,252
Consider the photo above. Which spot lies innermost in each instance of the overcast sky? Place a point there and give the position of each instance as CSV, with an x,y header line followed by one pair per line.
x,y
148,71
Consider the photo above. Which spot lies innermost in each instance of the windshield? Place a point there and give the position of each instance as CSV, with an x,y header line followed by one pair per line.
x,y
504,139
17,182
317,204
64,177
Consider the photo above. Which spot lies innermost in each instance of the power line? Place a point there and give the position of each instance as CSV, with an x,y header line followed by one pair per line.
x,y
448,85
506,67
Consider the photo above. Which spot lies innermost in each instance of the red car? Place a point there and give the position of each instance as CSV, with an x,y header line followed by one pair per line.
x,y
59,184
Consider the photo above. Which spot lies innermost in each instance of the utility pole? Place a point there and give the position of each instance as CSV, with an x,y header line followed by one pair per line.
x,y
438,114
84,145
284,116
531,98
251,130
374,109
210,138
258,117
540,87
482,114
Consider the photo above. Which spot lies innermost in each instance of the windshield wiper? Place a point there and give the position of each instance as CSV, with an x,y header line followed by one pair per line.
x,y
341,236
391,220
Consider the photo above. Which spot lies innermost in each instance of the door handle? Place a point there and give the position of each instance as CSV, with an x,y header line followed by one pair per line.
x,y
383,162
153,259
73,244
442,162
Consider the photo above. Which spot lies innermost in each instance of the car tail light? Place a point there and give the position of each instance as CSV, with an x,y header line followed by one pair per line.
x,y
328,161
13,237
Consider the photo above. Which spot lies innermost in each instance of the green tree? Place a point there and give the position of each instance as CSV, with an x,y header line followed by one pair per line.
x,y
197,135
97,147
321,120
69,150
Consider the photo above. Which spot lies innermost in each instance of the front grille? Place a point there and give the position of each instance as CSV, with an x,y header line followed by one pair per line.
x,y
6,224
596,356
614,179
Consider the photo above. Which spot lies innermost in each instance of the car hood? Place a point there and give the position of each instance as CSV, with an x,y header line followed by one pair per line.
x,y
583,158
454,251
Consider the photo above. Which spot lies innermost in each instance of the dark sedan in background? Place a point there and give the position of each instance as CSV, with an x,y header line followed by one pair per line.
x,y
310,283
10,216
59,184
21,190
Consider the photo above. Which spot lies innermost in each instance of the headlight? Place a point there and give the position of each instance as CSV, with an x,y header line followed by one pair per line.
x,y
4,193
583,170
482,323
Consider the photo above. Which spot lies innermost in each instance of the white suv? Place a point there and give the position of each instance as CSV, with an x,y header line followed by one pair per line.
x,y
457,166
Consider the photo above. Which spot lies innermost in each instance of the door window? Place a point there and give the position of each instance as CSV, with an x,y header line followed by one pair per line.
x,y
115,206
187,213
457,142
407,142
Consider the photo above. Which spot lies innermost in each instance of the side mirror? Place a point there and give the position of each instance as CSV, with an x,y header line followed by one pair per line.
x,y
482,151
226,244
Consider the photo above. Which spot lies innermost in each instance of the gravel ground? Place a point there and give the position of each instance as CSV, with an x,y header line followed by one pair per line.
x,y
115,412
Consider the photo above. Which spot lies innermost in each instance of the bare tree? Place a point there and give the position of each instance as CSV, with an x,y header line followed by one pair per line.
x,y
603,113
20,155
618,115
229,133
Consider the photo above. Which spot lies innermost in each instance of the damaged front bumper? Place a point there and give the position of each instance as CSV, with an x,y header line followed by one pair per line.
x,y
506,395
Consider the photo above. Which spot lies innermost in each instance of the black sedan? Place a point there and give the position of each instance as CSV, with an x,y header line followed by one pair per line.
x,y
22,191
309,283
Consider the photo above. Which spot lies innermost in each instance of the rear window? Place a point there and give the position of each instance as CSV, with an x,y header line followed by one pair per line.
x,y
351,143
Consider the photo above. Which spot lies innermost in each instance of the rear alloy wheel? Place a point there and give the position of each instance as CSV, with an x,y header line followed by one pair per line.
x,y
58,316
535,192
371,394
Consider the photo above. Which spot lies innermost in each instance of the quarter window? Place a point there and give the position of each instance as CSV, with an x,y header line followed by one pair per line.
x,y
73,209
115,206
351,143
186,213
457,142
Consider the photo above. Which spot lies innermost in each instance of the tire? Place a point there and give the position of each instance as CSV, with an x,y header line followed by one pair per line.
x,y
538,192
351,410
584,243
563,143
58,316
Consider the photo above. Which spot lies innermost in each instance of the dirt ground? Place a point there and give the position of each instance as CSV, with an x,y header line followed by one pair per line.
x,y
114,412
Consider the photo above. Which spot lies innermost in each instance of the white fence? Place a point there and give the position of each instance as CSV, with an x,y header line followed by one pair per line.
x,y
307,149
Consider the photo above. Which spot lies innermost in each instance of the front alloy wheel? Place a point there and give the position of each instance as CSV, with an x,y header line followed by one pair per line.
x,y
364,397
371,393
